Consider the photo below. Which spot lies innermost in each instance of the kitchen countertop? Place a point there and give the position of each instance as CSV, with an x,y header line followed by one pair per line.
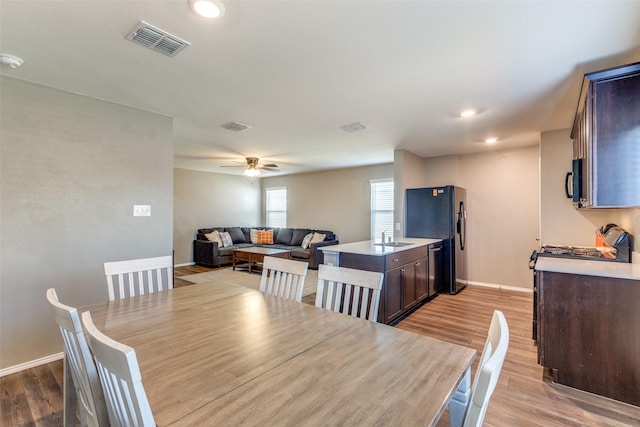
x,y
621,270
368,248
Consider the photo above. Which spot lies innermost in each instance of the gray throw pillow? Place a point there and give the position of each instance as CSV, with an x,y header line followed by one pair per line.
x,y
298,235
284,236
236,234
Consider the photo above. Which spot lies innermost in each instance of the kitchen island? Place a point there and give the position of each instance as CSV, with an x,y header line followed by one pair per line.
x,y
588,328
412,271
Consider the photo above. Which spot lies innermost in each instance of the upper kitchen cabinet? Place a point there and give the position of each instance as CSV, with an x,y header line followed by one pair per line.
x,y
606,140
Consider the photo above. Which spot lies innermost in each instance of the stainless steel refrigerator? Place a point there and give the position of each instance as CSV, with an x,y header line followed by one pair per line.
x,y
440,213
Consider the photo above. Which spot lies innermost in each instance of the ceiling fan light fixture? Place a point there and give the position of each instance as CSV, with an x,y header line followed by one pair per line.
x,y
252,172
207,8
467,113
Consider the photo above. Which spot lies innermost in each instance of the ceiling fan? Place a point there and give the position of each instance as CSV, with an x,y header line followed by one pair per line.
x,y
253,167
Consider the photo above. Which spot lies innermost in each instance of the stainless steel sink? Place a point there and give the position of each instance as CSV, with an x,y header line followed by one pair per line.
x,y
394,244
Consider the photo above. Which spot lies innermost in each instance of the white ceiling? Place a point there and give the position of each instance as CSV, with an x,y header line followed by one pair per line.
x,y
298,70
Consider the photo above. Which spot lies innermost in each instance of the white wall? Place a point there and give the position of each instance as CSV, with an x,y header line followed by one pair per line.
x,y
204,200
337,200
72,168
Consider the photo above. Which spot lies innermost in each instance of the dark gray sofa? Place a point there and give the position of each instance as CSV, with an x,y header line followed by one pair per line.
x,y
208,254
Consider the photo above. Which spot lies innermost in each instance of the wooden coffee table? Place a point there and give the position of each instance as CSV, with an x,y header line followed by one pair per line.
x,y
255,255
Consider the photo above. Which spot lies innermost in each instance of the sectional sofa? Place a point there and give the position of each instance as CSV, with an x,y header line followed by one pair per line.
x,y
211,253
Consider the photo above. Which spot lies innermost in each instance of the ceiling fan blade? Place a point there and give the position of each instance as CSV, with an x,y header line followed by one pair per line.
x,y
269,165
239,166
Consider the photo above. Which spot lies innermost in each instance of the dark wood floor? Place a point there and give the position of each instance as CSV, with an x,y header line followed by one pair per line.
x,y
523,396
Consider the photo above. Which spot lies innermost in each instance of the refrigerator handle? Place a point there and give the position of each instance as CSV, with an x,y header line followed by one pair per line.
x,y
461,226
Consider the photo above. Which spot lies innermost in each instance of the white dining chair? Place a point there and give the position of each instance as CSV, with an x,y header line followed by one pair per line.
x,y
283,277
349,291
121,380
78,362
493,354
138,276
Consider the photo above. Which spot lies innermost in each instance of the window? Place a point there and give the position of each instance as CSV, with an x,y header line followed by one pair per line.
x,y
276,207
381,208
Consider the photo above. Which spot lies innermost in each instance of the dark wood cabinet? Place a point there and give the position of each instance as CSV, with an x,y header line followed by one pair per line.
x,y
605,140
422,278
406,279
392,302
589,333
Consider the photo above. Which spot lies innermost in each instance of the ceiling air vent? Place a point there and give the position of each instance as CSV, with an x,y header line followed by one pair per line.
x,y
157,39
236,126
353,127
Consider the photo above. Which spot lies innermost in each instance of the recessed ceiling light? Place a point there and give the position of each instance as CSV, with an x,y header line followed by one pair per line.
x,y
468,113
491,140
10,60
235,126
207,8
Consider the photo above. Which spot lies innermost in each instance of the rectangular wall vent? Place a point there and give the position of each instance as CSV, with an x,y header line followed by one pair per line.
x,y
156,39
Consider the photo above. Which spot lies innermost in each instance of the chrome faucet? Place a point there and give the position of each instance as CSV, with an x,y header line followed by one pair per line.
x,y
383,239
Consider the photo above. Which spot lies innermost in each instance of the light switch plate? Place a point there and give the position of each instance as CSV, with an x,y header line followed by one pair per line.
x,y
397,226
141,210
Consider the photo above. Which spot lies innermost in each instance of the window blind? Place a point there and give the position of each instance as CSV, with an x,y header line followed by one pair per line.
x,y
276,207
381,208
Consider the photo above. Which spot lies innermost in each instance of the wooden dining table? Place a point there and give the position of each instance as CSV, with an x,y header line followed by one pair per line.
x,y
217,353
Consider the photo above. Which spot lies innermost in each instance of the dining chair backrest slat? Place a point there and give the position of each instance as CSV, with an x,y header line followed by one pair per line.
x,y
488,373
78,359
138,276
349,291
283,277
121,380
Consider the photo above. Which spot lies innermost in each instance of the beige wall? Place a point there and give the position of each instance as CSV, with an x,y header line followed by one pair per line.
x,y
502,208
337,200
72,168
560,222
203,200
408,172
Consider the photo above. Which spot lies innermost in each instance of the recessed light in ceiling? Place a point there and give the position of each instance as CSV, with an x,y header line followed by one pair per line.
x,y
353,127
10,60
491,140
207,8
468,113
236,126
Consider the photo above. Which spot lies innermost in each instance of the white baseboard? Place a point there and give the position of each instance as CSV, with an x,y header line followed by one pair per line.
x,y
497,286
185,264
31,364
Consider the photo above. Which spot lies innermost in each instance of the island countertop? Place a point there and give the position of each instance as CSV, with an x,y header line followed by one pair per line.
x,y
368,247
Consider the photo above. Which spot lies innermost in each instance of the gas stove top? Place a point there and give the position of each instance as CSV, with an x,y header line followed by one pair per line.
x,y
617,247
576,252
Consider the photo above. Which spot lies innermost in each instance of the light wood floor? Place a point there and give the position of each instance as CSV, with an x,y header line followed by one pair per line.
x,y
523,396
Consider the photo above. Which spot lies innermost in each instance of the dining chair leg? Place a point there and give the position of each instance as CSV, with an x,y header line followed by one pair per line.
x,y
70,397
460,400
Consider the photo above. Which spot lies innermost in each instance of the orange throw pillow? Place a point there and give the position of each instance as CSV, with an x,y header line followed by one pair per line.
x,y
265,237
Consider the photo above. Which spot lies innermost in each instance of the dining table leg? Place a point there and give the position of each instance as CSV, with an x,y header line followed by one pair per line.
x,y
460,400
70,397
